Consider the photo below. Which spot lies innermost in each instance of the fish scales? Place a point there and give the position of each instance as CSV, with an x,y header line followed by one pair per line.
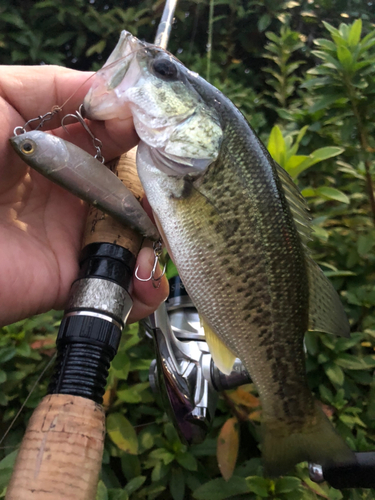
x,y
232,265
230,217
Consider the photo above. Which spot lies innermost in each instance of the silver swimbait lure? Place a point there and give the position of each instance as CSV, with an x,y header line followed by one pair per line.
x,y
72,168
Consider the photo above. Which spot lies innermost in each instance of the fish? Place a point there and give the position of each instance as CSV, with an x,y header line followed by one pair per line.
x,y
237,229
83,175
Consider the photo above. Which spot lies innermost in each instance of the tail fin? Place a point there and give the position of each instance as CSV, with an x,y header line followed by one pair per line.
x,y
318,443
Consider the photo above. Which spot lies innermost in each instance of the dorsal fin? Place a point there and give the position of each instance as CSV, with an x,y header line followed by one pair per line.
x,y
326,313
297,205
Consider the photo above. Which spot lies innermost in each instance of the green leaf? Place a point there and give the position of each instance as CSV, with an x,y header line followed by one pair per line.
x,y
315,487
331,29
345,57
332,194
146,440
133,394
350,362
121,365
324,102
14,19
294,162
334,373
286,484
264,22
276,146
308,192
365,244
122,433
259,485
131,466
177,484
171,269
355,33
325,153
172,435
315,157
101,492
116,494
97,48
8,461
219,489
187,460
134,484
129,396
162,454
159,471
311,343
7,353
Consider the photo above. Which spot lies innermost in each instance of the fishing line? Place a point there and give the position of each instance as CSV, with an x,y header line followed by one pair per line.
x,y
28,396
56,108
108,66
114,63
209,42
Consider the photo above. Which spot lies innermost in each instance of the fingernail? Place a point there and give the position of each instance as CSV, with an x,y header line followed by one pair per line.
x,y
145,262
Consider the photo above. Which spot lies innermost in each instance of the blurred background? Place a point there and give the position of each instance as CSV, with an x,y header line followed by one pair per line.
x,y
303,74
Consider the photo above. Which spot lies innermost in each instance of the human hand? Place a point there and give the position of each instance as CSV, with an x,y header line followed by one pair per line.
x,y
41,224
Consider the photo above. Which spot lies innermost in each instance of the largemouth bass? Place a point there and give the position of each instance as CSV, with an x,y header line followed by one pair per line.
x,y
236,227
76,170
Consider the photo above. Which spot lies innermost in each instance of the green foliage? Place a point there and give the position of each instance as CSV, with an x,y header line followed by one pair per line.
x,y
315,109
284,151
279,50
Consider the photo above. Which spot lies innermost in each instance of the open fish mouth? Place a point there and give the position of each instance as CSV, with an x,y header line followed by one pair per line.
x,y
109,85
150,85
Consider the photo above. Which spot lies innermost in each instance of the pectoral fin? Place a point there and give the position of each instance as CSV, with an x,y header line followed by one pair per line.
x,y
222,356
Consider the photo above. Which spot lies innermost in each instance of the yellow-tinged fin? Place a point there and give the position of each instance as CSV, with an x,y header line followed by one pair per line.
x,y
222,356
326,312
318,443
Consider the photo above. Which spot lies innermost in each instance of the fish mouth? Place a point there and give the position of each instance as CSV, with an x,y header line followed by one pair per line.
x,y
106,98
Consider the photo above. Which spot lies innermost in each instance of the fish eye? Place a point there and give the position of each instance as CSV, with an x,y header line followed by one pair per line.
x,y
28,147
165,68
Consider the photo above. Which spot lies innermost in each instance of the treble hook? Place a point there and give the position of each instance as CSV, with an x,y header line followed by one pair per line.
x,y
42,118
158,248
97,143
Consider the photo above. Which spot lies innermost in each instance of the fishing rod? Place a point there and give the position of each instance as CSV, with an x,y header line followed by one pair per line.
x,y
61,453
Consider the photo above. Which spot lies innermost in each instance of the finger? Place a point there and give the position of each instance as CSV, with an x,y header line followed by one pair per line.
x,y
116,138
146,298
34,90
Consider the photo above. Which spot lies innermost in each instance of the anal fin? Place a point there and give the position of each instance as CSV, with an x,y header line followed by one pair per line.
x,y
222,356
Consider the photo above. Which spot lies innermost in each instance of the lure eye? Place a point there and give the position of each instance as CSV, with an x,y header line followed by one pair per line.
x,y
165,68
27,147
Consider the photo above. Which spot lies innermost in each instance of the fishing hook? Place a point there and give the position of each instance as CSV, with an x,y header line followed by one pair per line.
x,y
158,248
97,143
42,118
